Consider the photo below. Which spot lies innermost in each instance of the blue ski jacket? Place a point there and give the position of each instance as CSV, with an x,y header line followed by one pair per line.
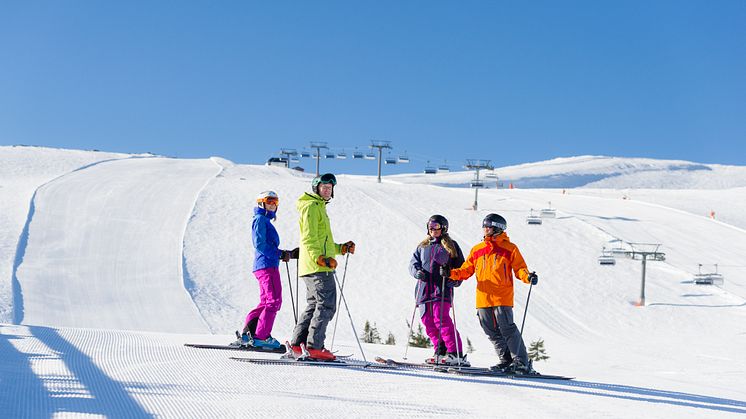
x,y
266,240
430,258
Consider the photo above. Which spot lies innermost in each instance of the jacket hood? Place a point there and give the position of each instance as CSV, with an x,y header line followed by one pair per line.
x,y
308,199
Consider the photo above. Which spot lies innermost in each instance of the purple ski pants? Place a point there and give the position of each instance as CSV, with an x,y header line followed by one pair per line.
x,y
430,315
270,301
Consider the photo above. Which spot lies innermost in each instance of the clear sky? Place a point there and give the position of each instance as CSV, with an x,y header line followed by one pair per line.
x,y
513,82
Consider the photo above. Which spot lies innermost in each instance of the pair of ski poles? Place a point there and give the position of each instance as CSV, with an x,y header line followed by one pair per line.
x,y
339,304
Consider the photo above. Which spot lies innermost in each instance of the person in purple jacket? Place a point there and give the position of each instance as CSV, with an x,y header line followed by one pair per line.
x,y
434,294
258,324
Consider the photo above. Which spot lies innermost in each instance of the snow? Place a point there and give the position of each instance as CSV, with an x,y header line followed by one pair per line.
x,y
125,258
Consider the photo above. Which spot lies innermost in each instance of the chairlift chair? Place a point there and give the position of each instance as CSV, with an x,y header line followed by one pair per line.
x,y
606,258
533,219
477,184
708,278
330,156
305,154
370,156
403,159
342,155
357,155
444,168
429,170
390,160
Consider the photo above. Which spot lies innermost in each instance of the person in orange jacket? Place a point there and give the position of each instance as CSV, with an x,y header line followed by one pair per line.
x,y
495,261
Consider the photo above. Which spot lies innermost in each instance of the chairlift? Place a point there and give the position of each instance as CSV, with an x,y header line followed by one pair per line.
x,y
430,170
330,156
305,154
370,156
477,184
491,175
548,212
357,155
606,258
403,159
294,159
342,155
444,168
709,278
390,160
533,219
618,249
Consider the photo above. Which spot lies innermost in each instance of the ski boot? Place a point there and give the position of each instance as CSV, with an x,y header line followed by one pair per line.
x,y
243,340
270,343
452,359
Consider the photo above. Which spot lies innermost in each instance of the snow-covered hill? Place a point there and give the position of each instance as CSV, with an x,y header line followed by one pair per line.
x,y
164,245
597,172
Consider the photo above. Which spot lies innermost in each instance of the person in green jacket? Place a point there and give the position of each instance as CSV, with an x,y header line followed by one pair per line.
x,y
316,266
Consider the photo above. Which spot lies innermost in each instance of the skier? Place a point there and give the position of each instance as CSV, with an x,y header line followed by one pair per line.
x,y
258,325
434,293
495,261
317,266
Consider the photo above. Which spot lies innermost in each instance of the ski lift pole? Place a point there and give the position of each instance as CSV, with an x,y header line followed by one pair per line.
x,y
339,304
352,323
525,309
292,301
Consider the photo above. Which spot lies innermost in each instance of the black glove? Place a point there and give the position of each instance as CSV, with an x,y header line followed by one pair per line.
x,y
452,283
445,271
294,253
284,255
533,279
421,275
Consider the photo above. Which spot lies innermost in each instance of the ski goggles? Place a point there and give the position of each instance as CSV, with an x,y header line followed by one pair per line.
x,y
434,226
270,200
493,224
328,178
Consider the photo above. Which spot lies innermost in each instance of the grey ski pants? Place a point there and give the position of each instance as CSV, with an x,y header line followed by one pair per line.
x,y
321,299
497,322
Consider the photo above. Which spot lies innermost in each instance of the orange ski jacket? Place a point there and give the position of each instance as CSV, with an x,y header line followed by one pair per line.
x,y
495,261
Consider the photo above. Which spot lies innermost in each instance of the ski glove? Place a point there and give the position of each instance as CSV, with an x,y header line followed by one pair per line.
x,y
326,262
445,271
533,279
294,254
348,247
285,255
421,275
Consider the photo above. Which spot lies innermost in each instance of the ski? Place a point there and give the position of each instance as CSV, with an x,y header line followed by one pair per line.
x,y
280,350
423,366
485,372
347,363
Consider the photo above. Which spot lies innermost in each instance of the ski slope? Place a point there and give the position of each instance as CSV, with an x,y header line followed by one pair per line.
x,y
126,260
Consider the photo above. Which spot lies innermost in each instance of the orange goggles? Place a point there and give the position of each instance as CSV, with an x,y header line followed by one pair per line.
x,y
271,201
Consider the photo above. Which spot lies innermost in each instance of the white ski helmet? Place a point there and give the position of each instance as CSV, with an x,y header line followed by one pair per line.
x,y
267,197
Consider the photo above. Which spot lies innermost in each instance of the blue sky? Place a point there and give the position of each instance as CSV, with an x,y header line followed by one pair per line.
x,y
513,82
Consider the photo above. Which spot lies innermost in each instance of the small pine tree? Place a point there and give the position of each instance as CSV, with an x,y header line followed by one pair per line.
x,y
419,340
536,351
390,339
370,333
469,346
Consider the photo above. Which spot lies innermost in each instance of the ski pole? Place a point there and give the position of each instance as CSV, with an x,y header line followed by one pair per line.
x,y
352,323
290,284
339,304
297,287
455,329
411,326
525,310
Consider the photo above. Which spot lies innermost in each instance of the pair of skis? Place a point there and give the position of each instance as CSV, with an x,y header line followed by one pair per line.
x,y
463,370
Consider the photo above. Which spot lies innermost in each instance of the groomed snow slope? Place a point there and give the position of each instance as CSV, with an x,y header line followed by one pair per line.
x,y
680,356
104,247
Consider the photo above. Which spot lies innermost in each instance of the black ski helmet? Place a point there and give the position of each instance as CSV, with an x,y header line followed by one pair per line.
x,y
439,220
325,178
496,222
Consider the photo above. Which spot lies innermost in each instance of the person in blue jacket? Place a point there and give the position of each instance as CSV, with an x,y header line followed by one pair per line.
x,y
258,324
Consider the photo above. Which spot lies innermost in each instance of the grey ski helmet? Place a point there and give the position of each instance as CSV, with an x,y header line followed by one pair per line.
x,y
496,222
